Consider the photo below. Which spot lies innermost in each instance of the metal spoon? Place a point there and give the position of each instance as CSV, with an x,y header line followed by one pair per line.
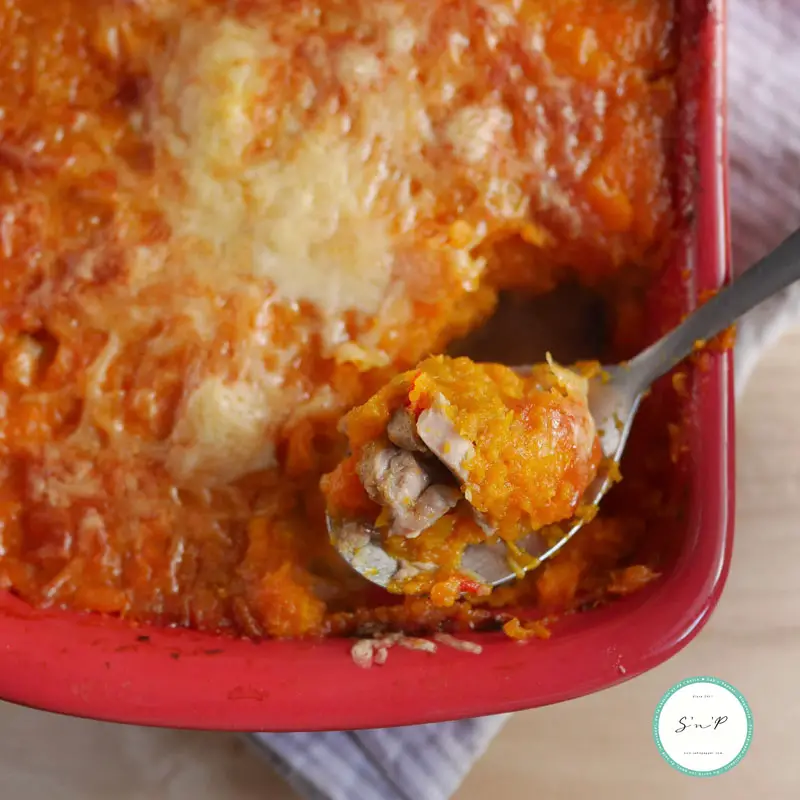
x,y
614,399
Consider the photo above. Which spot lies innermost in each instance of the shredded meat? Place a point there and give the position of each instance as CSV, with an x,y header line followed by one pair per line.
x,y
414,489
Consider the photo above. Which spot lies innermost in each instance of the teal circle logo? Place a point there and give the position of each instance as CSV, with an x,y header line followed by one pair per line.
x,y
703,727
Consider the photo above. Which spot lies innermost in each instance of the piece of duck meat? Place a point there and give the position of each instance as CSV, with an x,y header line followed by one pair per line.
x,y
392,477
436,429
433,504
402,431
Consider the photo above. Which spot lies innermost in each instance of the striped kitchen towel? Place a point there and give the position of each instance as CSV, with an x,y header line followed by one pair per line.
x,y
428,762
419,762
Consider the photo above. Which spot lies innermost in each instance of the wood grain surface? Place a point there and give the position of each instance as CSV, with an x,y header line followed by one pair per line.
x,y
600,746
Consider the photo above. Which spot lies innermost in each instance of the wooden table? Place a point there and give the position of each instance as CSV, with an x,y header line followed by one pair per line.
x,y
753,641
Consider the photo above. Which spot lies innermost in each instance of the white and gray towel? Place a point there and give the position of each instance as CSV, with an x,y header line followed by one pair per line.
x,y
428,762
420,762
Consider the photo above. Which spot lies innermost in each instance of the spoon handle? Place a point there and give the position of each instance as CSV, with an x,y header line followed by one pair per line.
x,y
767,277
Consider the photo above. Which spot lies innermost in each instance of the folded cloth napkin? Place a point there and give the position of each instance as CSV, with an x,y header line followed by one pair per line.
x,y
419,762
428,762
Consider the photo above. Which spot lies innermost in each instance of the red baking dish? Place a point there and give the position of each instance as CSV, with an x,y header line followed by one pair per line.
x,y
105,669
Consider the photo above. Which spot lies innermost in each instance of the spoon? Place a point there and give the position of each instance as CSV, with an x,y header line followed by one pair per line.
x,y
614,398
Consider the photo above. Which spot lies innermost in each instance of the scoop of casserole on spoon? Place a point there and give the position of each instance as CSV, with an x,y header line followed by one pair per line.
x,y
463,476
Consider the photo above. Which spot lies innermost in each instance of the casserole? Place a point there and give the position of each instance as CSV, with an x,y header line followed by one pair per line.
x,y
103,668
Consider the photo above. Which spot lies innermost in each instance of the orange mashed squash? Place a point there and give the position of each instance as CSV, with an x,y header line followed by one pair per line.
x,y
224,224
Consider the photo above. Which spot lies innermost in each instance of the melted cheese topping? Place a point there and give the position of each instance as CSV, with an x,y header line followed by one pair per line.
x,y
221,419
473,131
308,214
